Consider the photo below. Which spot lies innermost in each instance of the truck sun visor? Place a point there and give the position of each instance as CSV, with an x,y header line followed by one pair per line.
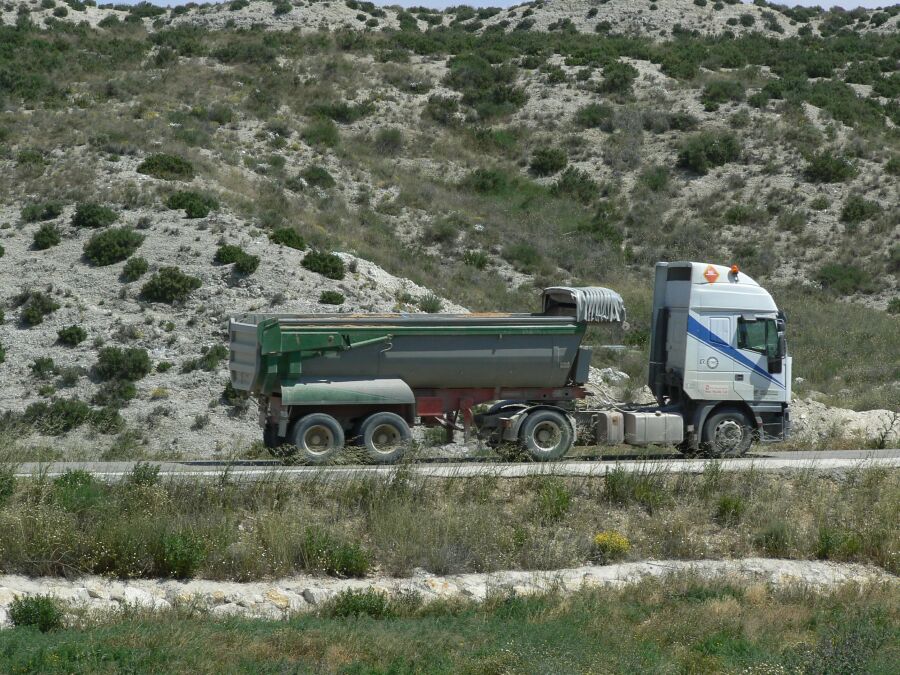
x,y
591,304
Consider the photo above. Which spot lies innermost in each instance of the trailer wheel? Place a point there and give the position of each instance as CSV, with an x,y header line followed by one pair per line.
x,y
546,435
385,437
317,437
727,433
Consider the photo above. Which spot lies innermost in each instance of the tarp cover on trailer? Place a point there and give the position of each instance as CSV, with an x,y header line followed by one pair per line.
x,y
590,303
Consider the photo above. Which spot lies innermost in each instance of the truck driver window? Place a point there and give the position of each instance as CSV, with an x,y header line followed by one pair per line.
x,y
758,336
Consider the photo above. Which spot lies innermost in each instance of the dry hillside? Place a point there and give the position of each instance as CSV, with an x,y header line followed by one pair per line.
x,y
456,159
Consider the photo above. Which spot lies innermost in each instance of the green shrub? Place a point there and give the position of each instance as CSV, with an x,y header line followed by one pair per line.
x,y
326,264
747,20
36,611
143,474
477,259
36,306
33,213
486,87
114,394
553,500
2,251
707,149
618,78
47,236
180,554
244,263
893,307
114,363
91,214
134,268
287,236
523,256
195,204
76,491
856,209
322,551
112,246
577,184
169,285
209,360
729,510
486,181
826,167
441,109
430,303
317,176
892,166
71,335
167,167
57,417
321,131
351,603
656,178
845,279
7,484
720,91
389,141
594,115
774,539
43,367
282,7
644,488
2,353
331,298
548,161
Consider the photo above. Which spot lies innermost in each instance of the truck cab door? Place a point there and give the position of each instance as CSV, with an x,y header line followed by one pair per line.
x,y
714,368
760,361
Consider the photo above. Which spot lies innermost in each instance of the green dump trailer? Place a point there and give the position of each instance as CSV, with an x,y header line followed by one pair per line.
x,y
324,381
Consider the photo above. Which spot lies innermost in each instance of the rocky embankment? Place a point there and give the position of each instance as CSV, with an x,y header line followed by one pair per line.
x,y
280,598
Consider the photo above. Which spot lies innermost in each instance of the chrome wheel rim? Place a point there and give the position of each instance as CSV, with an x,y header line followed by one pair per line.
x,y
318,439
729,435
546,435
385,438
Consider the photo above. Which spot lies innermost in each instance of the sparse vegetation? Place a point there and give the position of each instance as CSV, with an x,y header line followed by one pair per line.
x,y
548,161
33,213
244,263
826,167
114,363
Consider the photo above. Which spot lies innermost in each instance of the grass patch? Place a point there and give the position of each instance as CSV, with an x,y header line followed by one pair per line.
x,y
678,624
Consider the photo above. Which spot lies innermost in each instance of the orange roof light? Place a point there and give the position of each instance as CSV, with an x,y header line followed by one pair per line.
x,y
735,269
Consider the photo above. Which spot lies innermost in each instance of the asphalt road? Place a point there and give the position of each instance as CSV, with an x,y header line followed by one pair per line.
x,y
823,460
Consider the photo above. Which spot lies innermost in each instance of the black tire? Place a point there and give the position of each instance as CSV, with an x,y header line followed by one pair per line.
x,y
278,447
727,433
317,438
546,435
385,437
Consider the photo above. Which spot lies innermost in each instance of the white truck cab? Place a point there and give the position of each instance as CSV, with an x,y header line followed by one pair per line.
x,y
718,356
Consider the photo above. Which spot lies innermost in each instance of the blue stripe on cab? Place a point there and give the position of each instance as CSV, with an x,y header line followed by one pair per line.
x,y
702,333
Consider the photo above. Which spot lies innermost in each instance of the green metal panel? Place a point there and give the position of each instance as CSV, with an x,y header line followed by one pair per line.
x,y
347,392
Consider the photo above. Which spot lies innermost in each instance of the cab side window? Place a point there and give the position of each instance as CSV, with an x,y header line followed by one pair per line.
x,y
758,336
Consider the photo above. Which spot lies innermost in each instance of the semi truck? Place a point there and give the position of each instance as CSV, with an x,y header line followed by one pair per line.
x,y
719,372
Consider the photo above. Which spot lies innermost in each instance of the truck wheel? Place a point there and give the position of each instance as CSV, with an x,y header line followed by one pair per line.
x,y
546,435
727,433
385,437
317,437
